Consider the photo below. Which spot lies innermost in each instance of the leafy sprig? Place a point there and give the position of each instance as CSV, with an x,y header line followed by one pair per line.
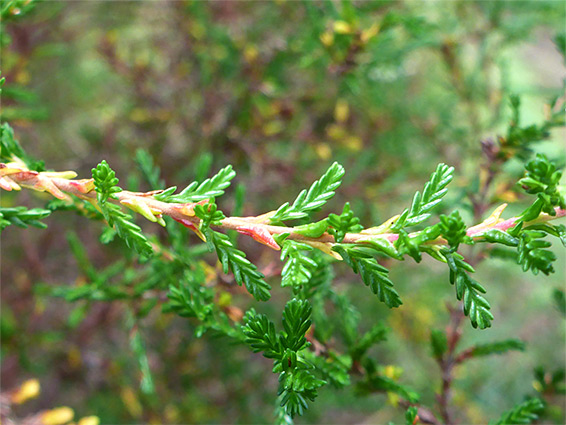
x,y
299,268
150,170
468,290
296,383
22,217
343,223
105,182
10,149
542,179
524,413
533,254
453,229
374,275
235,260
316,196
210,188
422,205
498,347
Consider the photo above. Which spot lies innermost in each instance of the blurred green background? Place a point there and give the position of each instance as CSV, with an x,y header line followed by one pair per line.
x,y
280,90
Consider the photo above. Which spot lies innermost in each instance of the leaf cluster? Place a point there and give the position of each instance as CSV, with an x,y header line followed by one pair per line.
x,y
533,254
498,347
374,275
105,182
297,385
519,138
299,267
468,290
235,260
542,178
343,223
316,196
524,413
210,188
422,205
22,217
209,214
10,149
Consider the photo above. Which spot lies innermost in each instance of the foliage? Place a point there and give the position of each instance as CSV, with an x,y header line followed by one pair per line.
x,y
162,328
106,182
316,196
524,413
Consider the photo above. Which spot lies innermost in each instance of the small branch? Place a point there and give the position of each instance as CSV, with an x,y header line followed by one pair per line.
x,y
447,363
12,177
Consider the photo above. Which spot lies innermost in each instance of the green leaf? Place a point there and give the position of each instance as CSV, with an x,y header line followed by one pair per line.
x,y
235,260
343,223
312,230
433,192
498,236
188,300
542,178
524,413
22,217
296,322
10,149
261,336
372,273
559,300
150,171
296,388
210,188
411,415
383,383
498,347
533,254
209,215
438,342
376,334
468,290
105,183
317,195
298,269
453,229
333,368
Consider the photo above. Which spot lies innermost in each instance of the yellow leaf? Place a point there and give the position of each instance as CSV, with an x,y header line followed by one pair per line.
x,y
341,110
140,207
342,27
382,228
130,399
251,53
323,151
492,220
369,33
58,416
89,420
59,174
327,38
353,143
30,389
325,247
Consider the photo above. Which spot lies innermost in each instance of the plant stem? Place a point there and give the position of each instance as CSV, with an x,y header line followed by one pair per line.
x,y
447,363
184,212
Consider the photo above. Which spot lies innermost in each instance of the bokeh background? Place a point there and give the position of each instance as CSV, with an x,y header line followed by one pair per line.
x,y
280,90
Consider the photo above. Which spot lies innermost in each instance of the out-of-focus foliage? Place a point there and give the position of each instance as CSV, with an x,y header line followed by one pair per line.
x,y
281,90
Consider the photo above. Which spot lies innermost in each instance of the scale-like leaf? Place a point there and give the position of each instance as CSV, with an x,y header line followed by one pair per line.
x,y
433,192
235,260
372,273
317,195
210,188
